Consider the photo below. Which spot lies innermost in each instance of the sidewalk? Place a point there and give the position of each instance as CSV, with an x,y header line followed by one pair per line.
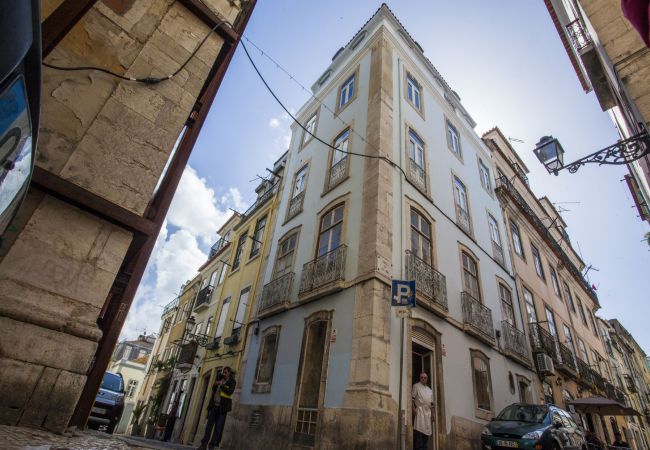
x,y
21,438
153,443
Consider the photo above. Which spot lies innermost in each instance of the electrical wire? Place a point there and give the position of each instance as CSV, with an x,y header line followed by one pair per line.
x,y
380,157
146,80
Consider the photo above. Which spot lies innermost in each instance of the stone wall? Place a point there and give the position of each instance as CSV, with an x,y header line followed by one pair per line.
x,y
113,138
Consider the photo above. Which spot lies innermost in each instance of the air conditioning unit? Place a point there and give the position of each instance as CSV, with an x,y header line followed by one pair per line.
x,y
544,364
213,345
232,340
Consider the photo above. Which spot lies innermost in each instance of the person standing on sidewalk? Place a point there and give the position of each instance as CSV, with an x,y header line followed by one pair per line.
x,y
219,406
422,406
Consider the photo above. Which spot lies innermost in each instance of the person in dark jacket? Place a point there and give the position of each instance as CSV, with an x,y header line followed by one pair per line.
x,y
219,406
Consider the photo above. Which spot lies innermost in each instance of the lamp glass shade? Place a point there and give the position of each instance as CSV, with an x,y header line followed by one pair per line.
x,y
189,325
549,151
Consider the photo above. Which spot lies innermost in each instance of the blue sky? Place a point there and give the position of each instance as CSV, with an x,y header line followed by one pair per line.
x,y
505,60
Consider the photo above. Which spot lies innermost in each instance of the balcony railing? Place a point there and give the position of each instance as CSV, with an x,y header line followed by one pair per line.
x,y
598,380
504,186
497,251
216,248
620,397
417,176
323,270
171,305
203,298
578,35
610,391
629,383
542,340
276,293
477,317
463,219
262,199
338,172
514,340
585,372
295,205
428,281
567,361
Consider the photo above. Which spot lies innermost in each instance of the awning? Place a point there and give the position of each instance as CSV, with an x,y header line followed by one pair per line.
x,y
602,406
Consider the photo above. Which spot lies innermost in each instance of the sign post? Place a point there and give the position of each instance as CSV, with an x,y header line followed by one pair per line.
x,y
403,297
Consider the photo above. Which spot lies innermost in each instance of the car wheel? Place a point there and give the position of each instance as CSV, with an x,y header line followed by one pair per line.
x,y
110,428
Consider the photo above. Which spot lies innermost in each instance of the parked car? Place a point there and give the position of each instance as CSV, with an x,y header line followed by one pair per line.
x,y
539,427
109,403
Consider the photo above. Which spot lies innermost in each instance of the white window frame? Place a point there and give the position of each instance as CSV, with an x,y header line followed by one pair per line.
x,y
347,90
460,195
414,91
310,126
223,315
454,139
240,315
486,180
493,225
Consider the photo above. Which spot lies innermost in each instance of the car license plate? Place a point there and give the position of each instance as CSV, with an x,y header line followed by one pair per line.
x,y
510,444
99,410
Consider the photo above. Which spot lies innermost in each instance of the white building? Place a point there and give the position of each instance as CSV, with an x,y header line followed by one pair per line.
x,y
324,369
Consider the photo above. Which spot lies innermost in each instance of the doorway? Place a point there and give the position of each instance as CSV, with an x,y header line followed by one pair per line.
x,y
423,361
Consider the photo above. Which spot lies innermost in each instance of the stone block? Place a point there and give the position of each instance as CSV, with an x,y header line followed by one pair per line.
x,y
183,27
63,400
16,384
36,410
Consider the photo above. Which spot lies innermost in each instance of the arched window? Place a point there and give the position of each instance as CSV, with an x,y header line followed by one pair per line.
x,y
506,304
470,276
421,237
482,383
266,360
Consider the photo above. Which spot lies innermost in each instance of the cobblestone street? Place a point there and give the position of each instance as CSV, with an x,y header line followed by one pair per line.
x,y
21,438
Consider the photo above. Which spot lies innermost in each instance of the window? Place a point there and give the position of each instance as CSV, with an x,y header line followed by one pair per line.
x,y
420,237
453,140
310,128
222,275
470,276
240,249
240,315
331,226
414,92
481,379
583,318
547,390
494,230
222,318
484,173
593,323
516,239
550,318
266,360
554,282
537,259
531,314
347,91
213,276
208,326
258,235
569,297
417,171
583,351
131,387
568,337
298,196
567,397
595,357
284,258
339,166
506,305
462,206
525,394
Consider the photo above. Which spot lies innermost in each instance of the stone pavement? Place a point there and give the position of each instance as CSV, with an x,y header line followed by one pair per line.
x,y
22,438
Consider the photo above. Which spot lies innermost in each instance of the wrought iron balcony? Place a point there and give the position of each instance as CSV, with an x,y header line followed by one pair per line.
x,y
543,341
567,362
261,200
295,205
621,397
203,298
629,383
585,372
514,341
170,306
578,35
276,295
217,247
338,172
463,219
497,252
417,176
610,391
323,270
477,318
598,380
429,283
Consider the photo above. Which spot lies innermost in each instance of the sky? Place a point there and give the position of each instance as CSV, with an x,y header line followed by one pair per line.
x,y
505,60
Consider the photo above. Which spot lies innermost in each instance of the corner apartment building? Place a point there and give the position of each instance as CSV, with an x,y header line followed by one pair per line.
x,y
611,58
559,305
325,370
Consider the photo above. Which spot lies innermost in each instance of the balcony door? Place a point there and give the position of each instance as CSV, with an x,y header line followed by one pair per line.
x,y
423,360
331,227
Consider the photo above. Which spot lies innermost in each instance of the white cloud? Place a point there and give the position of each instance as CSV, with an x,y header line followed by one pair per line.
x,y
282,132
274,122
197,212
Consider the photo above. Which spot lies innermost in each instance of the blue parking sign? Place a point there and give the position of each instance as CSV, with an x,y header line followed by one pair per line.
x,y
403,293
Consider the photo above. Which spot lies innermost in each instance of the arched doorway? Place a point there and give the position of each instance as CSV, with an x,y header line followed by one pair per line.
x,y
425,358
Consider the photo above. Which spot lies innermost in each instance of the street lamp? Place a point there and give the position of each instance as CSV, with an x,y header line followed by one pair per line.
x,y
550,153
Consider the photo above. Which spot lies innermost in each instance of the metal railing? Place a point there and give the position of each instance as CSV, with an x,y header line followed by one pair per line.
x,y
629,383
514,340
276,292
170,306
505,186
477,316
203,297
463,219
323,270
578,35
610,391
566,358
598,379
262,199
417,175
585,372
542,340
217,246
428,281
295,205
338,172
497,251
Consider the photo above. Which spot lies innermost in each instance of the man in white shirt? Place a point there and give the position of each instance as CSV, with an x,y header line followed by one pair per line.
x,y
422,410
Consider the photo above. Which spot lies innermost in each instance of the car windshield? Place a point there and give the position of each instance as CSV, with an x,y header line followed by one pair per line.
x,y
112,382
524,413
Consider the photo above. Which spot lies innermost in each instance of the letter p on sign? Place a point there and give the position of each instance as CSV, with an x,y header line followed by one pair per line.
x,y
403,293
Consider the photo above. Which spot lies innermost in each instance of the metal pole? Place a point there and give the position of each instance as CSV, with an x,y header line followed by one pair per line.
x,y
400,417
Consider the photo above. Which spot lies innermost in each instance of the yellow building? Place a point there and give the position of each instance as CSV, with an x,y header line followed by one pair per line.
x,y
236,298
